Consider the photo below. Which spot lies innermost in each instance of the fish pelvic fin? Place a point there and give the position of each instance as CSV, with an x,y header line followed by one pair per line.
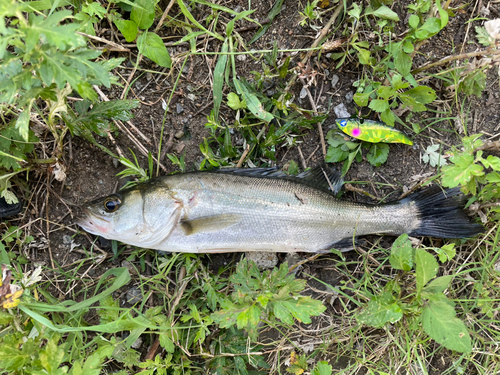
x,y
440,214
209,223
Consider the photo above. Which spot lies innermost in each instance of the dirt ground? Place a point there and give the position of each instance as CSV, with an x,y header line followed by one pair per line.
x,y
91,173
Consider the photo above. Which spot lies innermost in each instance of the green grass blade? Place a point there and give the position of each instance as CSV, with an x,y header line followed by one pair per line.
x,y
273,13
219,79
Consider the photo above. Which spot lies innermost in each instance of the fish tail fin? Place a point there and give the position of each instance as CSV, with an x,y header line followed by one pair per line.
x,y
440,214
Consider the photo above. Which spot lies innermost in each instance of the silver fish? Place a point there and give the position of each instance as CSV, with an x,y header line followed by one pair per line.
x,y
264,210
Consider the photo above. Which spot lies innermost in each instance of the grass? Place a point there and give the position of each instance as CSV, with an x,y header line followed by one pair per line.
x,y
386,308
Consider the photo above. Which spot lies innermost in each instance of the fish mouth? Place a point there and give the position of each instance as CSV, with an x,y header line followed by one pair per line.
x,y
92,223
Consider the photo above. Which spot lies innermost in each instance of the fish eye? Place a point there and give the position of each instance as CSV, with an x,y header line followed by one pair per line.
x,y
343,123
112,203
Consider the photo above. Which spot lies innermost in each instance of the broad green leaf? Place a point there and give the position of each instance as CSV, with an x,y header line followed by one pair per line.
x,y
440,323
355,11
253,103
408,46
301,308
151,46
143,14
422,94
92,365
438,285
384,12
361,99
446,252
249,317
335,155
385,92
491,162
219,78
166,342
378,154
388,117
461,171
379,105
401,257
61,36
23,123
128,29
413,21
364,56
322,368
426,268
402,62
13,359
380,310
52,355
443,14
234,102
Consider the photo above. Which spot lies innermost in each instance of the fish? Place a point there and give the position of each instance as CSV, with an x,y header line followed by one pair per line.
x,y
263,209
372,131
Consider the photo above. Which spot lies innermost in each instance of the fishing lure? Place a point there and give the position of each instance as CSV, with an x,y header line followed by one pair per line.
x,y
372,131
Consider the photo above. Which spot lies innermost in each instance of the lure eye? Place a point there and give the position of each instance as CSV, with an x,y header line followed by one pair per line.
x,y
112,203
343,123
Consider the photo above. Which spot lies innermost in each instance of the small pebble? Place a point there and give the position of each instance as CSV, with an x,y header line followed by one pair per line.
x,y
267,84
335,80
134,295
497,266
67,239
241,57
179,134
349,96
263,260
191,97
179,108
341,111
137,344
303,93
129,266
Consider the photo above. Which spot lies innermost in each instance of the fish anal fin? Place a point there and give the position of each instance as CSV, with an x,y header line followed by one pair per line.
x,y
209,223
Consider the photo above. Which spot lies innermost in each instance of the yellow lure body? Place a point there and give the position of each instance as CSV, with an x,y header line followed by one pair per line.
x,y
372,131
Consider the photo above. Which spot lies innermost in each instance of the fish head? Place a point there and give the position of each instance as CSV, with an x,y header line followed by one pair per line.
x,y
141,216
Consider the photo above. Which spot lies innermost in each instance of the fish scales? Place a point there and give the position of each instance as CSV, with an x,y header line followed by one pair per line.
x,y
223,212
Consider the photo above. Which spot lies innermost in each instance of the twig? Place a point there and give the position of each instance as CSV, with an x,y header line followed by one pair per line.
x,y
315,109
312,154
455,57
168,145
487,146
302,160
154,347
115,46
324,31
243,156
125,129
360,191
164,15
106,99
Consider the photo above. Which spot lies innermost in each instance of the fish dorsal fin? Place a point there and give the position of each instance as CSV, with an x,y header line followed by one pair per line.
x,y
321,177
209,223
271,172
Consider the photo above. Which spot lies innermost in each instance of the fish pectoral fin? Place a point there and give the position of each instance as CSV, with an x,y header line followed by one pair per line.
x,y
210,223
